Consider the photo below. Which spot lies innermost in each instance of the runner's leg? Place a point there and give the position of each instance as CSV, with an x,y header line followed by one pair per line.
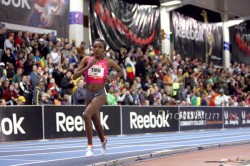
x,y
92,108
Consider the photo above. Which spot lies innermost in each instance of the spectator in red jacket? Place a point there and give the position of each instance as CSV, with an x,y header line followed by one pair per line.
x,y
10,95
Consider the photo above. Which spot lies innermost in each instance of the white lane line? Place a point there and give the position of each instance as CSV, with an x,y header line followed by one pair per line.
x,y
114,142
21,160
165,143
48,161
110,154
169,134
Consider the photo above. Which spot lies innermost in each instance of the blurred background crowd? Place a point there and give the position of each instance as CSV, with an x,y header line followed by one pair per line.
x,y
36,69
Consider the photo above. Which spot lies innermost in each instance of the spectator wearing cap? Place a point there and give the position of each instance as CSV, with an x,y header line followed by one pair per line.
x,y
8,43
21,100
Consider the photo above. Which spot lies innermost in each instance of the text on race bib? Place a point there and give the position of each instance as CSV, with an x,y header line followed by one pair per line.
x,y
96,71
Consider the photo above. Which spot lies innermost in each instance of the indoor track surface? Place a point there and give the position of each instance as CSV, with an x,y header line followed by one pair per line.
x,y
70,152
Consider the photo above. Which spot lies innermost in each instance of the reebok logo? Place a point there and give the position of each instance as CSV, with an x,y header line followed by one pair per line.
x,y
69,123
12,126
149,121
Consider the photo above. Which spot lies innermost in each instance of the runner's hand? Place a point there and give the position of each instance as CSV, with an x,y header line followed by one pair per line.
x,y
108,79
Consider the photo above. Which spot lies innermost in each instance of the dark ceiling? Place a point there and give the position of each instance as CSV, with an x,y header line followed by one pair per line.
x,y
144,2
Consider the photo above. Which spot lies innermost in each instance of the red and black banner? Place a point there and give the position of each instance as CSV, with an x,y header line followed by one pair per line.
x,y
195,39
124,24
240,40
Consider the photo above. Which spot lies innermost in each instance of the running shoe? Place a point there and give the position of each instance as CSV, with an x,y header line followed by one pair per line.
x,y
104,147
89,151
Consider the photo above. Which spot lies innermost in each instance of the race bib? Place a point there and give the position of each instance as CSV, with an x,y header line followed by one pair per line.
x,y
96,71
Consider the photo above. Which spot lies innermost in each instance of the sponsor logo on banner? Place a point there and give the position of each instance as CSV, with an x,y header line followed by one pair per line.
x,y
70,124
193,118
245,117
149,121
195,39
199,117
12,125
231,118
16,3
236,117
62,123
18,123
187,30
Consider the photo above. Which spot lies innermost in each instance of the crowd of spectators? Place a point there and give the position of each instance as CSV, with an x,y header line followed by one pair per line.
x,y
36,69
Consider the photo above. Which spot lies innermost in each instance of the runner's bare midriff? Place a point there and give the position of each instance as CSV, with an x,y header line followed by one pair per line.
x,y
94,87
